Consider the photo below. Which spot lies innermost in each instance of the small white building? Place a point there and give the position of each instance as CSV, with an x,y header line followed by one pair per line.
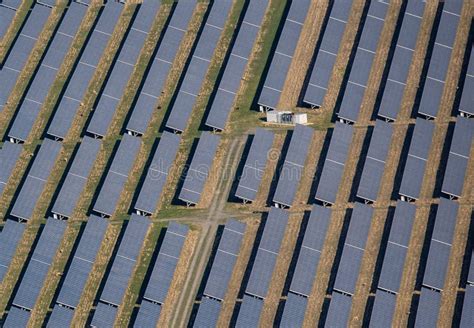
x,y
286,117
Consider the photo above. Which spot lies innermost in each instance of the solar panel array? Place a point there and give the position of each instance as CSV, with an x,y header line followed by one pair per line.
x,y
198,171
416,159
374,165
327,52
283,55
236,64
292,170
252,173
7,13
9,238
334,164
121,271
363,60
305,270
440,57
466,104
402,57
198,65
157,173
46,72
249,313
20,51
160,67
9,154
117,175
76,177
123,68
84,70
36,271
458,158
162,274
35,181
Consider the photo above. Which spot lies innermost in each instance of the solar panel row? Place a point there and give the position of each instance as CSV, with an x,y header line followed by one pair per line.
x,y
382,312
6,18
208,313
249,312
339,310
364,57
157,173
35,181
327,53
439,62
236,64
84,70
9,154
467,315
428,308
123,68
21,50
375,161
198,171
60,317
160,67
292,170
455,171
9,238
148,314
13,4
252,173
280,64
198,65
401,60
466,104
294,311
117,175
334,164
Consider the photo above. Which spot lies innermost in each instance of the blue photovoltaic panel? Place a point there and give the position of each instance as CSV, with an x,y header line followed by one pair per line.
x,y
428,308
292,170
36,179
274,230
60,317
9,154
125,260
160,66
252,173
375,161
334,163
470,278
117,176
249,312
402,223
157,173
235,68
16,318
276,76
416,161
326,56
445,221
339,310
82,75
9,238
6,17
208,313
76,178
392,267
436,265
104,316
359,225
466,104
384,307
14,4
294,311
455,172
224,260
198,171
148,315
199,63
46,73
467,315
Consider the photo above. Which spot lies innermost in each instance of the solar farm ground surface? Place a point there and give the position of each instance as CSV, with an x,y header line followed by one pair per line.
x,y
216,206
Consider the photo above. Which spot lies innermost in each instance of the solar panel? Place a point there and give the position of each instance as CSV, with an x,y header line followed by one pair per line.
x,y
470,278
198,171
9,154
436,265
428,308
402,223
104,316
157,173
274,230
292,169
294,311
339,310
467,315
148,314
16,318
36,179
13,4
416,161
466,103
6,17
284,52
224,260
9,238
208,313
445,221
60,317
255,164
334,163
384,307
359,225
125,260
392,267
249,313
117,176
375,161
